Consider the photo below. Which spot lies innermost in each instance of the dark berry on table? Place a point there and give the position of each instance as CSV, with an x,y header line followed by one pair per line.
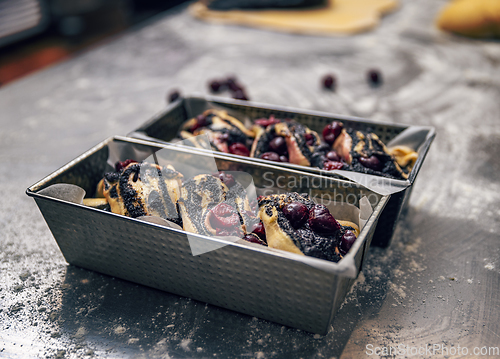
x,y
332,165
278,145
310,139
371,162
120,165
332,131
233,85
240,95
329,82
347,241
333,156
239,149
173,96
374,77
215,86
322,221
260,231
270,156
297,213
284,159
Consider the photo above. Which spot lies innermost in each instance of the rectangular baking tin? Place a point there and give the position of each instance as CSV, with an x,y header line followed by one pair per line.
x,y
165,125
244,277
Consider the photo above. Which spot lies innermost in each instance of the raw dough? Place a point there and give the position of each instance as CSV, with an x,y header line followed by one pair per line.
x,y
475,18
338,17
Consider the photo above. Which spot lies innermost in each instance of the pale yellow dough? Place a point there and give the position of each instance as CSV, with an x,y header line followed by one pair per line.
x,y
475,18
338,17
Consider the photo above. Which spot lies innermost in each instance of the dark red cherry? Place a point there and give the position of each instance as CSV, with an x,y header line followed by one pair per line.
x,y
120,165
173,95
226,178
347,241
371,162
284,159
333,156
233,85
240,95
310,139
332,131
332,165
329,82
278,145
322,221
264,122
239,149
297,213
270,156
215,86
225,217
254,239
260,231
374,77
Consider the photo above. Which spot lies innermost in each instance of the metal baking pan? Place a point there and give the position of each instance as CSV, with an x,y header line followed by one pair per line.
x,y
165,125
248,278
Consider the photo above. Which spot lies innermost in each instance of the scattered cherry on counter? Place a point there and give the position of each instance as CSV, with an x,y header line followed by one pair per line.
x,y
374,77
329,82
173,96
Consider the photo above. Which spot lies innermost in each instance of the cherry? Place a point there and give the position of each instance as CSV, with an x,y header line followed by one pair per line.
x,y
215,86
333,156
254,239
270,156
321,220
225,217
264,122
120,165
371,162
347,241
240,95
232,84
201,121
226,178
329,82
173,95
374,77
284,159
332,131
297,213
332,165
260,231
278,145
239,149
310,139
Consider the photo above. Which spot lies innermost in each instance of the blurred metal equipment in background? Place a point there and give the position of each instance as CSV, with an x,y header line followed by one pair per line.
x,y
22,18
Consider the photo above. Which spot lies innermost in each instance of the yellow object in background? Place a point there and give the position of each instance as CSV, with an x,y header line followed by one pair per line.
x,y
337,17
474,18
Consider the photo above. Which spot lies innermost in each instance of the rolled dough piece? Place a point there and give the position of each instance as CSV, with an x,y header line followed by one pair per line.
x,y
474,18
338,17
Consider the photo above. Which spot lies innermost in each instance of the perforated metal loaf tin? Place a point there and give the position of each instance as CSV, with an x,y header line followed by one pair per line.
x,y
165,126
244,277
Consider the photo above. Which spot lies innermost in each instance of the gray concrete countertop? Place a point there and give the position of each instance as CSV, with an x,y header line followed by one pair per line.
x,y
436,286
